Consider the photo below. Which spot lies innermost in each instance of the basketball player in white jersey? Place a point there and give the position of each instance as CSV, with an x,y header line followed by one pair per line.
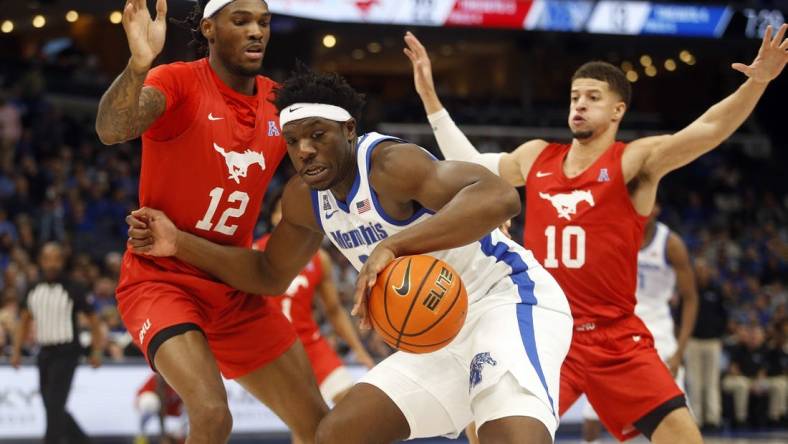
x,y
663,267
377,197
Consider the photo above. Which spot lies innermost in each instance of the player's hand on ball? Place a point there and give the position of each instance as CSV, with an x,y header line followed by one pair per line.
x,y
771,59
376,262
152,233
145,34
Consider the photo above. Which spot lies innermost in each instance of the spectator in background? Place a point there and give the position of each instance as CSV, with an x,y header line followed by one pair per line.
x,y
747,371
10,128
103,294
53,305
9,310
112,263
704,349
777,372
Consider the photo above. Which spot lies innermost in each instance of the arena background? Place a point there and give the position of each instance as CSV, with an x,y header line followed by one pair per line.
x,y
502,68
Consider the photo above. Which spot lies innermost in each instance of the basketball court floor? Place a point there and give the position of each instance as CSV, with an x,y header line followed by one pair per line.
x,y
771,437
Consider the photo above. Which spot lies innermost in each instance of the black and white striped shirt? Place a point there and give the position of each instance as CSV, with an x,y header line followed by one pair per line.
x,y
54,306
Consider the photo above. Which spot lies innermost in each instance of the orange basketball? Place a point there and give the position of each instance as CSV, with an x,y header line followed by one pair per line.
x,y
418,304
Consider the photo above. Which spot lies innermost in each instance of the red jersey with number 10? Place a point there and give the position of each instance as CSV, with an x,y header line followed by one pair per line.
x,y
585,231
298,300
210,174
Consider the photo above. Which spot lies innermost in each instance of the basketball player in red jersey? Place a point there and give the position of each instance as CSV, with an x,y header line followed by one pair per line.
x,y
587,205
296,304
210,144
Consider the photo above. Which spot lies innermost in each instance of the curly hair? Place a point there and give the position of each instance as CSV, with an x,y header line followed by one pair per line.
x,y
307,86
192,24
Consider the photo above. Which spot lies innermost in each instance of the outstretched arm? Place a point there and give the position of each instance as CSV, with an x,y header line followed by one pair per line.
x,y
468,200
127,109
663,154
688,292
452,142
293,242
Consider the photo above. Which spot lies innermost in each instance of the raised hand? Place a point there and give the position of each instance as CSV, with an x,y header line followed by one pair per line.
x,y
151,233
771,59
145,34
422,67
422,73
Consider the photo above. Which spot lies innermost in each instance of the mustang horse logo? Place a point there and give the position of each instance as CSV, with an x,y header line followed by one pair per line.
x,y
566,204
477,364
238,163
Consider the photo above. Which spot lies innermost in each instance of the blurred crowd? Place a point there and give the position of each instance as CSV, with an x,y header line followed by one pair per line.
x,y
57,183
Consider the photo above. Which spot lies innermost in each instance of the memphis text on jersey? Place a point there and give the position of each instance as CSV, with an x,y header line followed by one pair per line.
x,y
369,234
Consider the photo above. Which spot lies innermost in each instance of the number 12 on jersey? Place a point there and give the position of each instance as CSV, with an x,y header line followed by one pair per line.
x,y
573,247
216,197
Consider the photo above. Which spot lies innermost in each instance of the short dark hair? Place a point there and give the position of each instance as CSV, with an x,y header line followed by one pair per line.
x,y
307,86
606,72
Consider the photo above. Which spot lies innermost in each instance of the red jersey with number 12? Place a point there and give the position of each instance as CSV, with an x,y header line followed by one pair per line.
x,y
585,231
298,300
209,176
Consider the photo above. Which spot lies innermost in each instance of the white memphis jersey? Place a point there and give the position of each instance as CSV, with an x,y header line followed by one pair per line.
x,y
656,284
356,226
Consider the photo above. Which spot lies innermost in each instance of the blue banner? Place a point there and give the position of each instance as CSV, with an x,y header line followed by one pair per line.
x,y
687,20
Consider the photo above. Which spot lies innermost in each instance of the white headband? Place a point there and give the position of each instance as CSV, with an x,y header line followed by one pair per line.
x,y
213,6
298,111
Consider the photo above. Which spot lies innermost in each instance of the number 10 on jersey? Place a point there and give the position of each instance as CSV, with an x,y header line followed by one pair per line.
x,y
573,246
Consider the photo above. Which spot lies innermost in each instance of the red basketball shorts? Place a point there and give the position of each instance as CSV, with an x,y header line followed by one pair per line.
x,y
617,367
323,358
244,331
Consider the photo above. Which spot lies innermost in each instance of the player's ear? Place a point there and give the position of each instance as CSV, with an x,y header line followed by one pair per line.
x,y
618,111
350,129
208,29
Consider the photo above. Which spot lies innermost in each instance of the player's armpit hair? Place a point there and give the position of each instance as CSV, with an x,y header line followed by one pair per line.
x,y
192,23
307,86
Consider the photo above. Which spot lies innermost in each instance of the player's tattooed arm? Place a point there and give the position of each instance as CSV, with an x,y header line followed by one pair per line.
x,y
127,109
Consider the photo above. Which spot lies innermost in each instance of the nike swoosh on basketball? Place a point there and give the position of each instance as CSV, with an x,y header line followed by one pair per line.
x,y
328,215
211,117
404,288
542,174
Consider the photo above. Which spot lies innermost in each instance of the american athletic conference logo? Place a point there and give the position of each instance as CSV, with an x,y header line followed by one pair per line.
x,y
238,163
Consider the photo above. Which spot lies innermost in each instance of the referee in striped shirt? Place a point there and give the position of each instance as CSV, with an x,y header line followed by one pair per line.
x,y
53,304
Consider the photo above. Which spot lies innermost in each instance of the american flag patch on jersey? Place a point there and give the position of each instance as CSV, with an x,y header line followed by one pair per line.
x,y
363,206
